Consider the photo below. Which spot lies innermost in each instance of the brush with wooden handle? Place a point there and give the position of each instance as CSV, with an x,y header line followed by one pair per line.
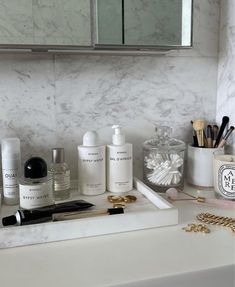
x,y
198,126
226,136
215,133
209,136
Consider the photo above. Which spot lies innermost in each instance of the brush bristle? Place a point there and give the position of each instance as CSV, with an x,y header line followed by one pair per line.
x,y
198,124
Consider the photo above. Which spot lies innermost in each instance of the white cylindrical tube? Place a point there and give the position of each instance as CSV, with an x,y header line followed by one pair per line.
x,y
10,170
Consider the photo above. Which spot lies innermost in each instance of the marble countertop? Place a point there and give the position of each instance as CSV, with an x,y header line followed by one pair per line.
x,y
126,258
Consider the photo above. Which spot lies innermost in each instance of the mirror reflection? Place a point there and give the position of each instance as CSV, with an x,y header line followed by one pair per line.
x,y
95,24
144,22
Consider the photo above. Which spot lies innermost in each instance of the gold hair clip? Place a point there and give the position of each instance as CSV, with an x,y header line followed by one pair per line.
x,y
120,199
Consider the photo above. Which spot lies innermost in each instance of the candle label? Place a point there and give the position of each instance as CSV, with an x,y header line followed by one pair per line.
x,y
226,180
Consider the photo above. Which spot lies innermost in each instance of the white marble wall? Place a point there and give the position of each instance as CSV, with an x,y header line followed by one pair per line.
x,y
226,73
51,101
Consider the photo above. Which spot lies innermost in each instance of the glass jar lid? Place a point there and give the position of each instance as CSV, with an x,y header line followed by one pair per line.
x,y
163,142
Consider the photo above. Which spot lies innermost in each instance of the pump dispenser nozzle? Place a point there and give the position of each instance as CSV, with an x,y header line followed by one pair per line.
x,y
118,136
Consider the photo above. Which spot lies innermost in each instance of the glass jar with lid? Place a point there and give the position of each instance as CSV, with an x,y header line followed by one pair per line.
x,y
164,161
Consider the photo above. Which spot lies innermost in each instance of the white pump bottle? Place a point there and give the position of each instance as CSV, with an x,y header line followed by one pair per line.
x,y
119,163
91,165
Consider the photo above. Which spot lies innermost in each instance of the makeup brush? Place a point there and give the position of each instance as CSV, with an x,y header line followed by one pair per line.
x,y
226,136
209,136
225,121
215,133
173,195
198,126
195,142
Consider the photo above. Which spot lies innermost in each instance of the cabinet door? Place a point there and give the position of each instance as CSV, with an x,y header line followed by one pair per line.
x,y
109,22
16,22
45,22
62,22
144,22
153,22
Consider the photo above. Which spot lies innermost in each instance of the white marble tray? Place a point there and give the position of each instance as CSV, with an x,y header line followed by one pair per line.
x,y
149,211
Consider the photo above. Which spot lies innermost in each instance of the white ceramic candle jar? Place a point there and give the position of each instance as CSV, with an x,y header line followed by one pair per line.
x,y
224,176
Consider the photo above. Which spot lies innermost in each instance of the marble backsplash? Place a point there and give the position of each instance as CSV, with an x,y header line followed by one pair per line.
x,y
226,68
50,101
50,104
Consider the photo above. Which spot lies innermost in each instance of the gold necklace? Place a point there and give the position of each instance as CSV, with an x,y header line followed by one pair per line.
x,y
217,220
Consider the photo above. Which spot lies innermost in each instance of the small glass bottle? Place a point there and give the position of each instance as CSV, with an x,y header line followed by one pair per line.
x,y
164,161
60,173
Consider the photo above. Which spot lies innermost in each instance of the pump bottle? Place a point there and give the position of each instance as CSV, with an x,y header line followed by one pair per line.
x,y
119,163
91,165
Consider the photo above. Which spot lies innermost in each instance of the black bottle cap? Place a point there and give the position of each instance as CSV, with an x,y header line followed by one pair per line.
x,y
112,211
35,167
9,220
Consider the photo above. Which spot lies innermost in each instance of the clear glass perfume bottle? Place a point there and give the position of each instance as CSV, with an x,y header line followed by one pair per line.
x,y
60,173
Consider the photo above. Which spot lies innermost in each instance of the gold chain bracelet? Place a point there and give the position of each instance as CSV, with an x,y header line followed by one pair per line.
x,y
217,220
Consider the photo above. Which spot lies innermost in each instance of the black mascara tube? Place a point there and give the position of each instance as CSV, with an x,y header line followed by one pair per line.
x,y
44,214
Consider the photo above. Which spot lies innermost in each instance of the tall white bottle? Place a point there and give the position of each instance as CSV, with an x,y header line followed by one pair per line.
x,y
119,163
91,165
10,170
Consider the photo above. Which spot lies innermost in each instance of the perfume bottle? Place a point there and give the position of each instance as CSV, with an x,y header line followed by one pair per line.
x,y
60,173
36,188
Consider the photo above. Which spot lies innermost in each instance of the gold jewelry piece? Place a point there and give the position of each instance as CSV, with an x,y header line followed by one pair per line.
x,y
115,199
196,228
129,198
217,220
119,205
120,199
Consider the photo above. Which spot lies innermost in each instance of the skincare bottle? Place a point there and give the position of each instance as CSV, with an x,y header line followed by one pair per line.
x,y
119,163
91,165
60,174
10,170
36,188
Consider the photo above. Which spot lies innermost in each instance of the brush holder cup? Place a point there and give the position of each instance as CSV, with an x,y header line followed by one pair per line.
x,y
200,165
163,161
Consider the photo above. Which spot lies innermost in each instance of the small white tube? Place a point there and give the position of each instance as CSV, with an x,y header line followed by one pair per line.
x,y
10,170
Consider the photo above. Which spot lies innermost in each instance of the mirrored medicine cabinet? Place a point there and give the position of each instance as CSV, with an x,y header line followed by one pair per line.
x,y
75,25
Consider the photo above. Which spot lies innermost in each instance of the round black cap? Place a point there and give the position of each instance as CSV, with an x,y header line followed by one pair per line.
x,y
35,167
9,220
